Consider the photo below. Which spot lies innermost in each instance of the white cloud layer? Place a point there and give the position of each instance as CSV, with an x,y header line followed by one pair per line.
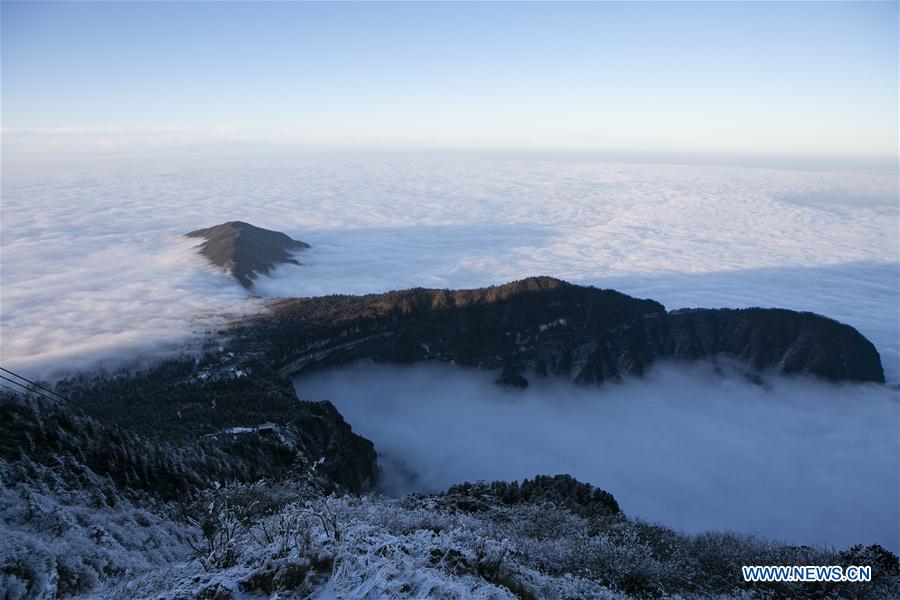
x,y
93,270
801,461
93,267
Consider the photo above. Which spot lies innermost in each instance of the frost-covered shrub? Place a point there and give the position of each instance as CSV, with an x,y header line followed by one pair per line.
x,y
57,542
291,539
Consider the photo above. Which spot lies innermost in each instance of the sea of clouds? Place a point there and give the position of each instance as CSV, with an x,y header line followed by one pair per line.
x,y
796,460
93,268
94,271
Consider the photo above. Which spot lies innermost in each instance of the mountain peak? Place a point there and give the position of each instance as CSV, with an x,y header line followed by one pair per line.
x,y
245,250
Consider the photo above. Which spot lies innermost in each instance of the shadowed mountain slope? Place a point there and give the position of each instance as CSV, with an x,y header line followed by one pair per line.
x,y
245,250
547,326
177,405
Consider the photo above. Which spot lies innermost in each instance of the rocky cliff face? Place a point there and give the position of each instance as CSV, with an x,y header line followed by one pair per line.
x,y
792,342
548,326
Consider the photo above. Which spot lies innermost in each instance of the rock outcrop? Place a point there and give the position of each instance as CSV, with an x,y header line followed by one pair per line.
x,y
246,251
562,491
547,326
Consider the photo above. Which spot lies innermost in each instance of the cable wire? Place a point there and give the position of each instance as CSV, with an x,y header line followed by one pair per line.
x,y
28,389
37,385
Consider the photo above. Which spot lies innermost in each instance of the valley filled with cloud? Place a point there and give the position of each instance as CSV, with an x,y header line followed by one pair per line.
x,y
795,460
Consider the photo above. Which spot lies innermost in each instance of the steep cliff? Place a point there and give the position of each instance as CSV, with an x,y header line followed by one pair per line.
x,y
548,326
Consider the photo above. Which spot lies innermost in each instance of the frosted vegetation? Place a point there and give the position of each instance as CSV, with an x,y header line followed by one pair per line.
x,y
67,531
287,538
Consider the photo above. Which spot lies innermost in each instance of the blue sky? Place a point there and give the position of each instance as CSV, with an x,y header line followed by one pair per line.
x,y
780,78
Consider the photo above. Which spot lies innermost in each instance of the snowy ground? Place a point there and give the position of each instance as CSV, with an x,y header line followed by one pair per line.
x,y
432,547
93,266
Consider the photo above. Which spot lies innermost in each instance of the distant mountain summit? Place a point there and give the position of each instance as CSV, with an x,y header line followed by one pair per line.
x,y
245,250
